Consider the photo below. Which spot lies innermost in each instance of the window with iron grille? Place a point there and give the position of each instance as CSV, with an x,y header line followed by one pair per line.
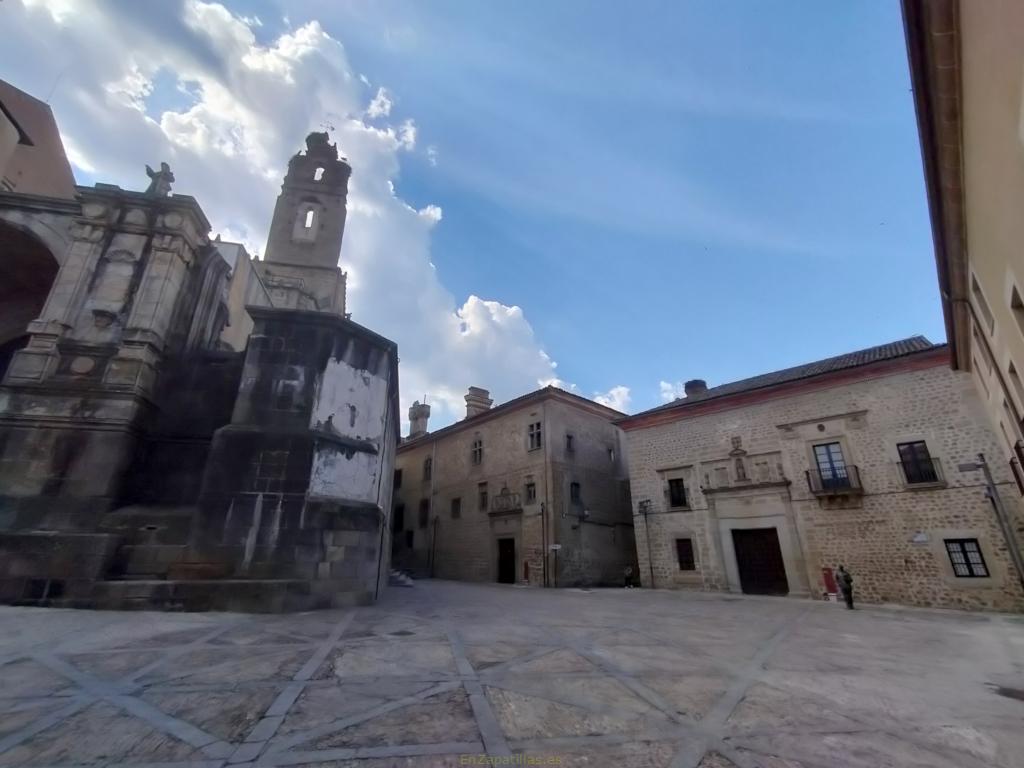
x,y
831,465
684,553
966,558
574,492
531,493
478,451
569,444
398,479
456,508
676,492
918,465
428,468
534,435
424,512
481,492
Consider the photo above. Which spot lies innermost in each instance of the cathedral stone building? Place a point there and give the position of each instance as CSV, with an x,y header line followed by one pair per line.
x,y
181,426
867,460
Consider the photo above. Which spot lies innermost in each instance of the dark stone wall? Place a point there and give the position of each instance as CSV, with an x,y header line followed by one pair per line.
x,y
195,397
58,478
255,517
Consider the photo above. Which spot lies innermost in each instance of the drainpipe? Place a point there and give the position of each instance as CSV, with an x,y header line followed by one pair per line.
x,y
645,508
549,539
1005,523
433,547
544,543
433,512
385,514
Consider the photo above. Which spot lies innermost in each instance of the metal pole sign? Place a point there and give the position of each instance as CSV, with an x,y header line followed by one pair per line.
x,y
1005,524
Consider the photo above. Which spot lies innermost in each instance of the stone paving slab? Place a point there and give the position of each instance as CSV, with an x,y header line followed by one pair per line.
x,y
437,674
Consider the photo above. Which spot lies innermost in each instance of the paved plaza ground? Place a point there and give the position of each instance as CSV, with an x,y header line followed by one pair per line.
x,y
440,672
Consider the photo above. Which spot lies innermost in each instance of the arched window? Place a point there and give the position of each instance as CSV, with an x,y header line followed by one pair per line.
x,y
310,217
318,174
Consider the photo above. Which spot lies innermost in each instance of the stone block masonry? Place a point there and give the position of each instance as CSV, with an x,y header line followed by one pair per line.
x,y
723,495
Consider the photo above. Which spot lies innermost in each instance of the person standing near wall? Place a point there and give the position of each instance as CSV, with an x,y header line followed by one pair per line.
x,y
845,582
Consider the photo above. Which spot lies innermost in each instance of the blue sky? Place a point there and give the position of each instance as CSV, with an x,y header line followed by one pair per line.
x,y
667,190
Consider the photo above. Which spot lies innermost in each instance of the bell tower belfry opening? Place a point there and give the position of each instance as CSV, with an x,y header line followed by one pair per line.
x,y
300,267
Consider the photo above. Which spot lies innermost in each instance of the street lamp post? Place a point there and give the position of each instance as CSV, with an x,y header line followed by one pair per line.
x,y
1005,524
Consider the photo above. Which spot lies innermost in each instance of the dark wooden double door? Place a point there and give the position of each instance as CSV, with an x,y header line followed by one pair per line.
x,y
506,561
759,560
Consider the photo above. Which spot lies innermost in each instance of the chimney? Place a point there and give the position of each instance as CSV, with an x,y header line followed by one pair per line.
x,y
695,387
418,415
477,401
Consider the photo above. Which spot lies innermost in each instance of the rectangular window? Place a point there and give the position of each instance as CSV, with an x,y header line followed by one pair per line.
x,y
477,452
918,465
398,479
966,557
531,493
979,299
424,512
569,447
831,465
456,508
481,491
1017,307
684,553
534,436
1018,385
574,492
676,492
428,468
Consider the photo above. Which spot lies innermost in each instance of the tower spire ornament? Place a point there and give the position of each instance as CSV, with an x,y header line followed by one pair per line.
x,y
300,264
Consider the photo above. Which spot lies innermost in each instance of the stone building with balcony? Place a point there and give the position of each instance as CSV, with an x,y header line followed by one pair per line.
x,y
533,491
766,485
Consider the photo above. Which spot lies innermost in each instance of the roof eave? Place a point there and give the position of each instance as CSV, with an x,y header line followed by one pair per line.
x,y
942,155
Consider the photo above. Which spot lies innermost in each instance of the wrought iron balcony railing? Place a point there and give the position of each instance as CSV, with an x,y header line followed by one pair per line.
x,y
837,481
922,472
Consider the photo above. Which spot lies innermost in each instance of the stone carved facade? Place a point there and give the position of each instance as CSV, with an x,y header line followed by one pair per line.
x,y
144,462
711,469
486,498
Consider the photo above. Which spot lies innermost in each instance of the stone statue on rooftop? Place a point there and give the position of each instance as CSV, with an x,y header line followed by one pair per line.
x,y
160,181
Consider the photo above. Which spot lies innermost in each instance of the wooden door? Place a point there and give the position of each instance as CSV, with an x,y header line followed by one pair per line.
x,y
759,560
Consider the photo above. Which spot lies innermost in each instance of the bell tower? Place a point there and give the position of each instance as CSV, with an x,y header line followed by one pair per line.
x,y
300,267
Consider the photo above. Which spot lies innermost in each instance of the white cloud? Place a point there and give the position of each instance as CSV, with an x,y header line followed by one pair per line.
x,y
381,104
670,391
617,397
432,155
253,105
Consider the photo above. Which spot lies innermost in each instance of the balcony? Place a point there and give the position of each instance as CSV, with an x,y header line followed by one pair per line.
x,y
506,503
922,473
838,481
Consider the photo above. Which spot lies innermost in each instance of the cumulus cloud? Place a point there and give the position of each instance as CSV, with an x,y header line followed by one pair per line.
x,y
250,106
381,104
670,391
617,397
